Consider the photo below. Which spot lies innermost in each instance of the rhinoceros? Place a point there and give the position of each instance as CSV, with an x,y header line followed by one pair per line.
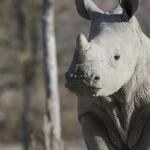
x,y
109,74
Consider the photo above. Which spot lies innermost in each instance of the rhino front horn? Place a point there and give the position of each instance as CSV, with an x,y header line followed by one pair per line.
x,y
82,42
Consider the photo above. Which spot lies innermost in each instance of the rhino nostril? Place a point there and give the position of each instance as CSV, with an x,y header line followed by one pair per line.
x,y
97,78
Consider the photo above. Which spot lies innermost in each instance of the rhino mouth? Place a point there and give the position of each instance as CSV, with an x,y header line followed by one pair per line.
x,y
79,91
80,88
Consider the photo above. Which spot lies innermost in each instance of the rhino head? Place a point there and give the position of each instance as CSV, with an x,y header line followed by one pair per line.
x,y
107,60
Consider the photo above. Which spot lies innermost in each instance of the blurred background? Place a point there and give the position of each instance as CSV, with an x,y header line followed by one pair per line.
x,y
16,62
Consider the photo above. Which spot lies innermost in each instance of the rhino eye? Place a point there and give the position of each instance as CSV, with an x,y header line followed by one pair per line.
x,y
117,57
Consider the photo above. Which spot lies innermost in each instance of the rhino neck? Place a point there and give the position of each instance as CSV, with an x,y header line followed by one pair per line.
x,y
136,88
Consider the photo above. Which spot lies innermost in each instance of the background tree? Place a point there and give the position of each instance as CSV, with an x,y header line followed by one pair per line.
x,y
52,126
27,55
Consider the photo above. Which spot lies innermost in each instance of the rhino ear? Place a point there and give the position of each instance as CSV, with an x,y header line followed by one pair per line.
x,y
87,9
129,6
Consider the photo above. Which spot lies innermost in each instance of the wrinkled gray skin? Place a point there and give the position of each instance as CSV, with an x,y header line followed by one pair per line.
x,y
109,74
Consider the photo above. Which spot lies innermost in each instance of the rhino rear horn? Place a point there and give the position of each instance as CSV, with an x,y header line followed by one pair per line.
x,y
116,10
129,6
87,9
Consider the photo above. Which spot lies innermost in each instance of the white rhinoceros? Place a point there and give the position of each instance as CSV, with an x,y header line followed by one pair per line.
x,y
109,74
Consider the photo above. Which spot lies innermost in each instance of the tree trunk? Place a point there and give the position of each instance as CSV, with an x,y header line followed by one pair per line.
x,y
27,61
52,125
